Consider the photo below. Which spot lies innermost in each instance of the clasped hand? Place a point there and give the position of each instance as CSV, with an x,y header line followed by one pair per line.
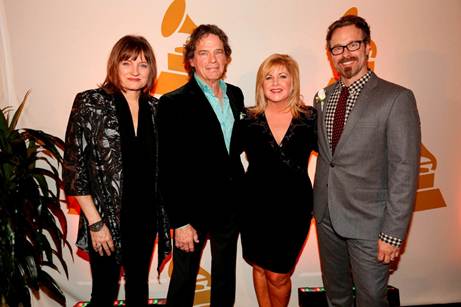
x,y
185,238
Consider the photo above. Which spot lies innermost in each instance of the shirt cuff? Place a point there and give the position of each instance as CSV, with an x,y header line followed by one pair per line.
x,y
390,239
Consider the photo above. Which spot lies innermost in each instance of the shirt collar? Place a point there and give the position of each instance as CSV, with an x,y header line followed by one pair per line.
x,y
357,85
206,89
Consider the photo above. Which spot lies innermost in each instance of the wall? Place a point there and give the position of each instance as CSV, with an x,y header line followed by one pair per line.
x,y
59,48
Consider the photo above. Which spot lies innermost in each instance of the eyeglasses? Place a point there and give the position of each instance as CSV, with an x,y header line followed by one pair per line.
x,y
352,46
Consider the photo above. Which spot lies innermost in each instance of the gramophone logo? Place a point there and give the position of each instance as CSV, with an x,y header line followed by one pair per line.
x,y
428,196
175,21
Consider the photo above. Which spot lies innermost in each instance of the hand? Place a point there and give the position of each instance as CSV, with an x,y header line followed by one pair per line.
x,y
102,241
185,238
387,252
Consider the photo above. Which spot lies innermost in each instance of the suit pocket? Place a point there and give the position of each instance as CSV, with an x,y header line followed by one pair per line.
x,y
371,195
366,124
370,203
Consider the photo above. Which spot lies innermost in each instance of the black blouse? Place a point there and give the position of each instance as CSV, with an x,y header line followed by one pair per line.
x,y
138,152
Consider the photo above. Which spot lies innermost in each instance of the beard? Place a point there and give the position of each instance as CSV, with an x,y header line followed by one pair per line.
x,y
348,72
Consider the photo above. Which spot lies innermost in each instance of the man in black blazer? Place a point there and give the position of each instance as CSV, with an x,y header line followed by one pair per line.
x,y
200,168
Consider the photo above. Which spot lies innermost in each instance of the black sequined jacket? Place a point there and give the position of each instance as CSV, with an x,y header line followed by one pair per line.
x,y
93,165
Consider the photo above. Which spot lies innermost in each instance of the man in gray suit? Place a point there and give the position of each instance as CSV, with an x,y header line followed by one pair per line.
x,y
367,170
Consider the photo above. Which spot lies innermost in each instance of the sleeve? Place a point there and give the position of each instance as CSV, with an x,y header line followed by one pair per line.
x,y
390,239
403,155
75,164
314,117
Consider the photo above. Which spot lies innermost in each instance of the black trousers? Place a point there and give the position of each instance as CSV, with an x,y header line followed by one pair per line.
x,y
137,247
223,243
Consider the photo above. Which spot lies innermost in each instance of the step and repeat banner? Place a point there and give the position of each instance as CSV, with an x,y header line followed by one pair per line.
x,y
59,48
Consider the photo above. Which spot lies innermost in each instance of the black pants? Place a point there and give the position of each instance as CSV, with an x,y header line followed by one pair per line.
x,y
223,240
137,247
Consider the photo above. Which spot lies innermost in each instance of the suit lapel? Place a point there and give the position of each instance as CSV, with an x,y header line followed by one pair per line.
x,y
234,108
360,107
324,138
208,116
203,103
237,107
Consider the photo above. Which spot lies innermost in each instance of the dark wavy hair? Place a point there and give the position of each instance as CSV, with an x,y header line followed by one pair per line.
x,y
129,47
196,36
348,20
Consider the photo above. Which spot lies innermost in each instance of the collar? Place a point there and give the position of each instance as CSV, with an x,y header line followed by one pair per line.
x,y
206,89
357,85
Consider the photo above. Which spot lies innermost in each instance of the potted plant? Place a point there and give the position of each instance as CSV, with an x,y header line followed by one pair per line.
x,y
33,227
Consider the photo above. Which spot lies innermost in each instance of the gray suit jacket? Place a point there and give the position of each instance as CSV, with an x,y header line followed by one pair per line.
x,y
369,184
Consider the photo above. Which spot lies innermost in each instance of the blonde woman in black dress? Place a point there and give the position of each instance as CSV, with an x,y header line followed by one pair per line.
x,y
278,136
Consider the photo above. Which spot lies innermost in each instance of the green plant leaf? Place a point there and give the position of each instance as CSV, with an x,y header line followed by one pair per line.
x,y
36,172
18,112
28,271
4,120
44,246
41,181
23,296
30,204
48,142
61,260
51,288
57,177
7,255
55,207
49,224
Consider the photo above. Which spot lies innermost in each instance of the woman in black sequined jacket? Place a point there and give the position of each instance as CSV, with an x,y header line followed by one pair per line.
x,y
111,168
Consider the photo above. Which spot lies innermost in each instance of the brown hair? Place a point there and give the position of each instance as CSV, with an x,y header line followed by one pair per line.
x,y
129,47
196,36
348,20
295,103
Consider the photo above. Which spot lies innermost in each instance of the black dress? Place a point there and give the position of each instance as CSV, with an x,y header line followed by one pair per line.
x,y
278,193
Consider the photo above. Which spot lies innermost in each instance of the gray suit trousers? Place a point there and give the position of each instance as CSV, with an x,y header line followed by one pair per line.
x,y
348,262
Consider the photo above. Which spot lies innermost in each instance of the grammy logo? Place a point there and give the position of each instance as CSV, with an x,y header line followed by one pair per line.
x,y
428,197
202,286
174,20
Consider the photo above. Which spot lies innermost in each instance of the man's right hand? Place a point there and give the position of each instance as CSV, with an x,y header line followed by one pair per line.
x,y
185,237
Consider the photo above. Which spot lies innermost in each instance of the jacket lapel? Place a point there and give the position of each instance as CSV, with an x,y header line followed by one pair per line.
x,y
326,143
207,115
234,108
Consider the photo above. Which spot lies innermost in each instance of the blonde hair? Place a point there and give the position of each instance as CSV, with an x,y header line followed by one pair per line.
x,y
295,103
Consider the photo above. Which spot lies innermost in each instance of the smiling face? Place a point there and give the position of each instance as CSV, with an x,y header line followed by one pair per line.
x,y
133,73
351,65
277,85
209,59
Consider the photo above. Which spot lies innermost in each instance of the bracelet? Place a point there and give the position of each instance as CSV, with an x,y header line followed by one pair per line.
x,y
96,226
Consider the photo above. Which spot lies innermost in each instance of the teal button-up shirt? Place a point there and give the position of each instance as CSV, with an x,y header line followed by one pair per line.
x,y
222,110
